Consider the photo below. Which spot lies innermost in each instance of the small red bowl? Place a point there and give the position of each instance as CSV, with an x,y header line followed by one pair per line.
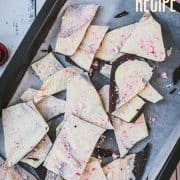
x,y
3,54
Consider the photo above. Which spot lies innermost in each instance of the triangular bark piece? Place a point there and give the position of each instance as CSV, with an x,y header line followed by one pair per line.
x,y
56,83
93,171
83,101
130,167
46,66
23,128
37,156
113,41
73,148
150,94
49,107
128,134
75,22
14,173
146,40
84,55
129,110
29,94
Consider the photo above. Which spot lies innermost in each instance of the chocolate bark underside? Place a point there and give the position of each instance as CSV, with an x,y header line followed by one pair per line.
x,y
140,161
112,93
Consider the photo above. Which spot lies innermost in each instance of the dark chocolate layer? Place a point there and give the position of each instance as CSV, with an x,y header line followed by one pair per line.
x,y
140,162
121,14
112,93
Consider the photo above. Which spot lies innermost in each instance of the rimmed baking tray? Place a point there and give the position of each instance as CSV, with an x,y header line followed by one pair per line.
x,y
165,132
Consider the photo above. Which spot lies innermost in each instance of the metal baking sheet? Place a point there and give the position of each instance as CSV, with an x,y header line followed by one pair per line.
x,y
165,132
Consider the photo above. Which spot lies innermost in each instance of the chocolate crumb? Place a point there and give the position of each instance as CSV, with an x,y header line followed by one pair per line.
x,y
34,159
103,152
176,75
49,48
121,14
173,91
44,50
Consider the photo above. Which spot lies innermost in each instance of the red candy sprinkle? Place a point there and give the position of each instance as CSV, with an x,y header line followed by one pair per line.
x,y
93,169
78,174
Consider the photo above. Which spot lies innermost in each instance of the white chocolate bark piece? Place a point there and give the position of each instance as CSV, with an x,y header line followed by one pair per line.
x,y
56,83
93,171
113,41
150,94
52,176
29,94
104,94
121,168
9,173
84,55
14,173
73,148
59,128
46,67
131,77
51,107
37,156
128,134
83,101
23,128
75,23
129,110
106,70
146,40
